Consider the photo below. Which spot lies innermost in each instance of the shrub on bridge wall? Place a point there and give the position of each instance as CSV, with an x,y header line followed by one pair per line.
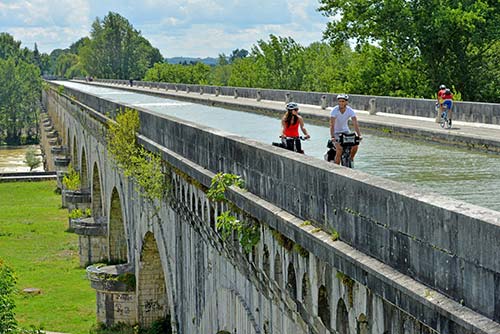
x,y
247,232
143,166
71,179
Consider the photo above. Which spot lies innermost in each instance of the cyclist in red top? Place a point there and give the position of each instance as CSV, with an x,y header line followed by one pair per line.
x,y
290,127
440,92
447,102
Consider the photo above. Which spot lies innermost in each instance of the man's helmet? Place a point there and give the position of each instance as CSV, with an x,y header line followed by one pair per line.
x,y
292,106
447,91
442,87
343,97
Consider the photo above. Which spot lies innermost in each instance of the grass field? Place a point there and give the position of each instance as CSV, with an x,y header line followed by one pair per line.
x,y
33,242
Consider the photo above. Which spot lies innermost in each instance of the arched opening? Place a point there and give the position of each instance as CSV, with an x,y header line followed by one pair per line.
x,y
212,217
278,270
265,261
117,239
66,140
342,318
324,306
152,301
96,193
306,292
74,155
84,176
291,284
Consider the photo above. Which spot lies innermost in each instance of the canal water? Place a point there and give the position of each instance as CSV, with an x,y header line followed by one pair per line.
x,y
465,175
12,159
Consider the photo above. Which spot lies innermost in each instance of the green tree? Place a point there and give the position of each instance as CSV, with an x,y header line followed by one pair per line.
x,y
447,40
237,53
246,72
8,46
20,90
117,50
64,62
282,62
31,159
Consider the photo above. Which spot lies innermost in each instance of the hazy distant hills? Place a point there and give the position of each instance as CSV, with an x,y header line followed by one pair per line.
x,y
181,60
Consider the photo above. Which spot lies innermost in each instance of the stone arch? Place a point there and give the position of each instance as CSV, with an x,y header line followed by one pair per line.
x,y
117,239
291,284
84,174
342,323
362,324
278,270
266,266
152,300
324,306
97,209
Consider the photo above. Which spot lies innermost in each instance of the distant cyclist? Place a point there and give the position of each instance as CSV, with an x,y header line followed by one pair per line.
x,y
290,128
447,102
440,93
339,118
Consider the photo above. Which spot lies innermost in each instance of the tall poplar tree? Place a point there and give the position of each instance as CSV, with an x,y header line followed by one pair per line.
x,y
117,50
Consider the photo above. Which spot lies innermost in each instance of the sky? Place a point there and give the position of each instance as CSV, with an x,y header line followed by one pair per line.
x,y
189,28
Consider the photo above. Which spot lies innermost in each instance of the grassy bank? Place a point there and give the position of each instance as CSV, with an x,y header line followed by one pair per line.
x,y
34,243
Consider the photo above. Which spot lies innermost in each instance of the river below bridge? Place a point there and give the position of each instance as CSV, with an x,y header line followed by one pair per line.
x,y
468,176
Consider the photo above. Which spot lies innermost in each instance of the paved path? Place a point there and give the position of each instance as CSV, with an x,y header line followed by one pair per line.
x,y
480,136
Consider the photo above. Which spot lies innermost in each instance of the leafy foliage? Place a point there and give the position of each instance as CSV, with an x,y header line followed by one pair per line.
x,y
117,50
7,285
20,90
31,159
79,213
143,166
447,41
177,73
220,182
71,180
248,234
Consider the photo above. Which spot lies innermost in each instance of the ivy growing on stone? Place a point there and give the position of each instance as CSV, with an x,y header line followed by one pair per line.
x,y
220,182
143,166
248,233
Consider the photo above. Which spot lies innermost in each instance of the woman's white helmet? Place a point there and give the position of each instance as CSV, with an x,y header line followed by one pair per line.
x,y
292,106
343,97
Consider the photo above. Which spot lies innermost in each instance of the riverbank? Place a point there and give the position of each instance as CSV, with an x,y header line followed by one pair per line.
x,y
34,242
12,159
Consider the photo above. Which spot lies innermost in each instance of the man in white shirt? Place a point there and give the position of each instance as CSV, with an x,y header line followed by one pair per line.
x,y
339,118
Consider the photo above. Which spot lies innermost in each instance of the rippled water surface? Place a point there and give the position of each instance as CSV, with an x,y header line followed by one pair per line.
x,y
464,175
12,159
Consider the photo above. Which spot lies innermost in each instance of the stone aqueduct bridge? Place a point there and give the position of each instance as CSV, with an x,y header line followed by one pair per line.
x,y
406,262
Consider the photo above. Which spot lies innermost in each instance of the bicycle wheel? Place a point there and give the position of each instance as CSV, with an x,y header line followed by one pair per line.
x,y
346,159
444,120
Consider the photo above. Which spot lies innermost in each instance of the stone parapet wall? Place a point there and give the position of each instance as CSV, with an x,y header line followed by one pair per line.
x,y
479,112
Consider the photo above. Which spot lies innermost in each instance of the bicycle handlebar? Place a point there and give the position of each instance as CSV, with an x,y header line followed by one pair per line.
x,y
300,137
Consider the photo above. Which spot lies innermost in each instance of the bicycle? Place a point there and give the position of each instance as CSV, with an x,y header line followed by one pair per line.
x,y
347,141
291,143
444,121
